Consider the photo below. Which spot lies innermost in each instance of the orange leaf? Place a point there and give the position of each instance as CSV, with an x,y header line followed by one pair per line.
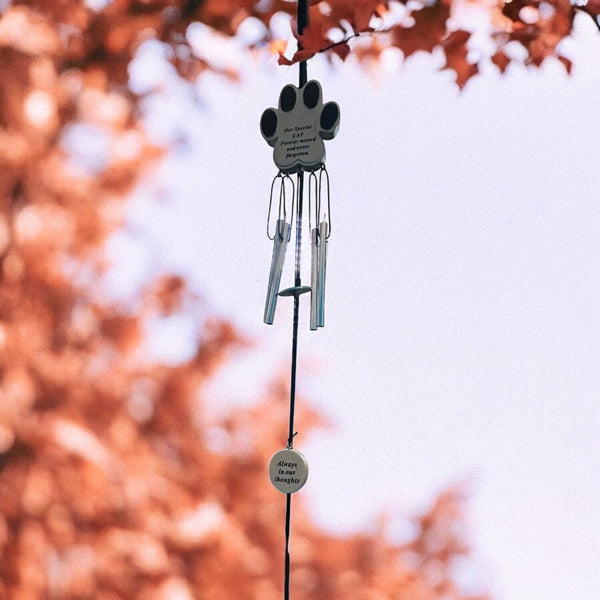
x,y
363,12
310,42
455,48
501,61
342,50
568,64
428,31
313,39
299,56
593,7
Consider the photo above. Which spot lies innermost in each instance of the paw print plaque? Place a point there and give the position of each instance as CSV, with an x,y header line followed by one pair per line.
x,y
297,128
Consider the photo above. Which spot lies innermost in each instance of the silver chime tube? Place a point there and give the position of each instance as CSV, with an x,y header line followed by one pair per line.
x,y
282,236
314,279
321,272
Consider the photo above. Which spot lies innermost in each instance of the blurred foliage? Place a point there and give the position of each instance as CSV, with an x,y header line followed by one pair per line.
x,y
116,480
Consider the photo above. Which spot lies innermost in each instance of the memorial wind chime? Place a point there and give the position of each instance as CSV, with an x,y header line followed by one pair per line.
x,y
296,130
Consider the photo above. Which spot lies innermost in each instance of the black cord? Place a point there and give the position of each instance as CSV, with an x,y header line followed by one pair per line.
x,y
303,21
291,433
288,512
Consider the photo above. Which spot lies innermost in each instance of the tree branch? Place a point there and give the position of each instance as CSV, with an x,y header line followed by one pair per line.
x,y
341,42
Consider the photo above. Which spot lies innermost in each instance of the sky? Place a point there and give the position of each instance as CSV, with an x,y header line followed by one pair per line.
x,y
462,330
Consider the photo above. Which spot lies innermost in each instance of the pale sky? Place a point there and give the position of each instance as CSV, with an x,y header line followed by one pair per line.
x,y
462,331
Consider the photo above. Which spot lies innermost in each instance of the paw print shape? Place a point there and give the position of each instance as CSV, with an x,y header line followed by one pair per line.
x,y
297,128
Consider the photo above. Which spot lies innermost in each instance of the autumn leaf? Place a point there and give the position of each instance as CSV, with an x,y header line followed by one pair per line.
x,y
363,13
299,56
427,32
501,60
567,63
310,42
593,7
341,49
455,49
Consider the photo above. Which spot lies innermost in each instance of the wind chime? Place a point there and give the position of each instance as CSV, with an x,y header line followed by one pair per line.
x,y
296,130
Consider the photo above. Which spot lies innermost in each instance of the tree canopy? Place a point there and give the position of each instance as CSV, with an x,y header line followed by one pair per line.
x,y
105,34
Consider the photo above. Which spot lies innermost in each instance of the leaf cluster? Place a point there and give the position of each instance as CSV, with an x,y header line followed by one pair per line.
x,y
469,33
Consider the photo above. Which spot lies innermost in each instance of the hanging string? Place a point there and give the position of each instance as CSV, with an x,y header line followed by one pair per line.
x,y
291,433
327,216
303,21
314,208
282,180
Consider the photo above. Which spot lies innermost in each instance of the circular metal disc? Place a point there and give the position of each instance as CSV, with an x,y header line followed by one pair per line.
x,y
288,470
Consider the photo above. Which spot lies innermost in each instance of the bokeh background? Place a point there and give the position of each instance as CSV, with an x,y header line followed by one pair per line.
x,y
448,409
462,338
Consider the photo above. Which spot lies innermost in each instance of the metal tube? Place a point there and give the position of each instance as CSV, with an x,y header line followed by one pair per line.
x,y
322,272
314,278
282,235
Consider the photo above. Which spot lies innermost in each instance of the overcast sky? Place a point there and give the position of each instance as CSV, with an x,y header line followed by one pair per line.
x,y
462,332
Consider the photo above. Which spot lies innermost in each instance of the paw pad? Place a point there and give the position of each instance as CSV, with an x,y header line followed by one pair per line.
x,y
297,128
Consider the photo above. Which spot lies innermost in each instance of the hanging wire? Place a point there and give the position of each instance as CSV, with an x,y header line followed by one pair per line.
x,y
303,20
314,200
328,214
282,211
288,515
282,207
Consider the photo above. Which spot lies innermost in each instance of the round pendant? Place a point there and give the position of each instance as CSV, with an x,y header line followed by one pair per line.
x,y
288,470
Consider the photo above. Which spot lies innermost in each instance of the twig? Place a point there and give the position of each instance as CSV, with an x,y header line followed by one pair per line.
x,y
342,42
